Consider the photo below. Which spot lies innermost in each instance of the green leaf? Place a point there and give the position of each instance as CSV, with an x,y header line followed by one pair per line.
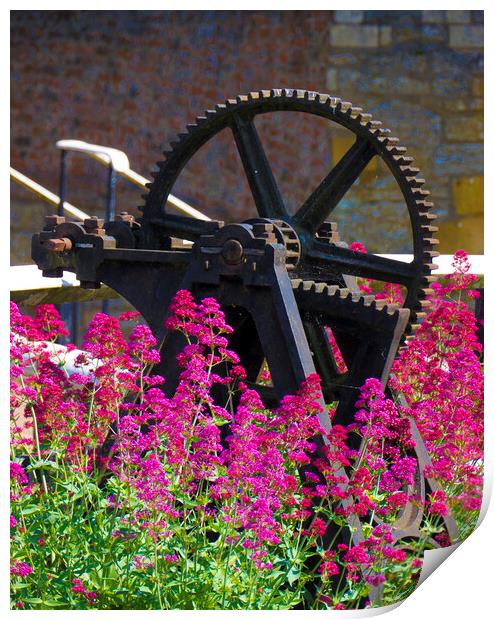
x,y
293,574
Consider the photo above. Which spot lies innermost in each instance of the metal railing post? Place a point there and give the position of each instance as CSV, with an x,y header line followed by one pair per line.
x,y
110,212
63,181
110,198
68,312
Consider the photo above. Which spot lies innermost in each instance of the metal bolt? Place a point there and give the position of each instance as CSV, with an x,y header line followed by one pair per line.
x,y
232,251
53,220
58,245
124,216
93,222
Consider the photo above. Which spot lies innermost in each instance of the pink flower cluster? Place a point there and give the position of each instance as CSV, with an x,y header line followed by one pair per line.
x,y
79,588
262,474
440,374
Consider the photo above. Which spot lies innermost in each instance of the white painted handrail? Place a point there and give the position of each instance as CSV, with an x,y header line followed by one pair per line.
x,y
45,194
444,262
120,162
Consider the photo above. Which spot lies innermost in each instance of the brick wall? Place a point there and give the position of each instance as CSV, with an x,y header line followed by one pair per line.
x,y
133,79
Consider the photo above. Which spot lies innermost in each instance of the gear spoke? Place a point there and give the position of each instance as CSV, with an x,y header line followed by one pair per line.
x,y
257,169
360,264
324,199
185,227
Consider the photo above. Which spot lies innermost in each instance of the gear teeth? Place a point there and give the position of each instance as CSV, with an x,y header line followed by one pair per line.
x,y
374,126
391,308
378,304
368,299
343,293
387,146
426,292
319,287
364,119
415,182
396,150
409,171
425,215
431,254
403,159
392,141
429,279
425,204
420,191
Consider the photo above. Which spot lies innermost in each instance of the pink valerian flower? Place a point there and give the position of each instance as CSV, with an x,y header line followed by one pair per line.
x,y
141,563
141,345
48,322
440,375
21,569
335,349
104,338
131,315
169,445
79,588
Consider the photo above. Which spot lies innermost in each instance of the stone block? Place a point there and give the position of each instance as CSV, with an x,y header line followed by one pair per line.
x,y
466,36
477,17
458,17
343,60
433,17
435,32
468,195
351,35
332,80
464,128
348,17
385,35
459,160
464,233
478,86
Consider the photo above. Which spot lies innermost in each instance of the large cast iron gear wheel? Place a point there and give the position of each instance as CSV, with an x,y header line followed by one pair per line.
x,y
320,260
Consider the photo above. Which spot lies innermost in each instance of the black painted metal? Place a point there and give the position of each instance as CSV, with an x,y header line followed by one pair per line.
x,y
62,182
